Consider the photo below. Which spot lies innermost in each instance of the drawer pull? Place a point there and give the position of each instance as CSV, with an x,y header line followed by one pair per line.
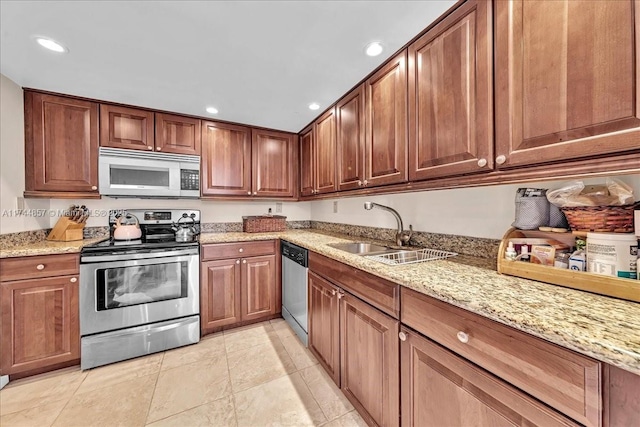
x,y
240,250
463,337
40,267
402,336
73,280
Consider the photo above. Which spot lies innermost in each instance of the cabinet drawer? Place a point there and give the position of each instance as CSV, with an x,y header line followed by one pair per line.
x,y
559,377
376,291
32,267
238,250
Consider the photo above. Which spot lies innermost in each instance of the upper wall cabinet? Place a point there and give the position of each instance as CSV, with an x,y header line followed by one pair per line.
x,y
240,161
325,152
307,163
122,127
386,123
61,146
567,79
450,95
350,135
177,134
137,129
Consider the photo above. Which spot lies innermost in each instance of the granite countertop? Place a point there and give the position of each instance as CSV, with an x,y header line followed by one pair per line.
x,y
604,328
46,247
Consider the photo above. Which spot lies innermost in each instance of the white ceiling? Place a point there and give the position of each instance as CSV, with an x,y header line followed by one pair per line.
x,y
258,62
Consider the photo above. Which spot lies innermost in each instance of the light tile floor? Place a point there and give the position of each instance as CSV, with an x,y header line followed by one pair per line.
x,y
257,375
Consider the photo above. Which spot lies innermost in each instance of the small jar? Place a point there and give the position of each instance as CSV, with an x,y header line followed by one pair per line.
x,y
562,260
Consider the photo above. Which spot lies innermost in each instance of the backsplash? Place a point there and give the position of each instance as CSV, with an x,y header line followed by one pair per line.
x,y
234,227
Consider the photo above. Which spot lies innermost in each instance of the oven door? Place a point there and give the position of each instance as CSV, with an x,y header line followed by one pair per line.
x,y
122,294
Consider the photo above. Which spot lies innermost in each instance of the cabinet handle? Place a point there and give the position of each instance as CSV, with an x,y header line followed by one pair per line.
x,y
402,336
158,148
237,261
40,267
73,280
93,187
501,159
463,337
244,261
482,162
240,250
150,147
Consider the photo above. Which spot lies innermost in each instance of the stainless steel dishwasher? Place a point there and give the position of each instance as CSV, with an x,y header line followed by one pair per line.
x,y
295,262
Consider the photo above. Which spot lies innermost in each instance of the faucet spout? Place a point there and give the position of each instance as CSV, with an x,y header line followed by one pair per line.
x,y
402,237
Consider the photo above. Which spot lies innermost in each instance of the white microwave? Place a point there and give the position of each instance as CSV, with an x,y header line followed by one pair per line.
x,y
133,173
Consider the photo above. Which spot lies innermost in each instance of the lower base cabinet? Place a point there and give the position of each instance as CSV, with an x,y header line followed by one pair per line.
x,y
440,388
324,324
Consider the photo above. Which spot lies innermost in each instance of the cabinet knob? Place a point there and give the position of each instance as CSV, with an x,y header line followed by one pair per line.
x,y
93,187
249,192
365,182
402,336
333,291
241,250
149,147
244,261
255,192
237,261
340,295
40,267
159,149
501,159
463,337
360,182
482,162
73,279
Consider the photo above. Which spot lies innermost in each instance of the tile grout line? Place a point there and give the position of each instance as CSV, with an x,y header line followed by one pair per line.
x,y
155,385
233,395
68,400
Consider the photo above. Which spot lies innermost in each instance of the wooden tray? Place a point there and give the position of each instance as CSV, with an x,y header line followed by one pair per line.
x,y
617,287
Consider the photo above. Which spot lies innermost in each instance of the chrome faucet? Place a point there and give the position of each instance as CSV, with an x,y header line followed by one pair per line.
x,y
402,236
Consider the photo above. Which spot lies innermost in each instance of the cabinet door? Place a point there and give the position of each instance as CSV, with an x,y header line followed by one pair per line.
x,y
325,152
274,170
39,323
307,162
370,361
324,325
350,139
442,389
226,159
258,288
122,127
177,134
567,79
450,95
61,144
386,123
219,294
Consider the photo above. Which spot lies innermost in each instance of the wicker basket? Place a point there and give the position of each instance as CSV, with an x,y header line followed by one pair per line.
x,y
612,219
264,223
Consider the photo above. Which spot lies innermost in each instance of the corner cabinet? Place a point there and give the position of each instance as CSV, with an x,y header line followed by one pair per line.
x,y
239,284
39,316
567,80
450,95
241,161
61,147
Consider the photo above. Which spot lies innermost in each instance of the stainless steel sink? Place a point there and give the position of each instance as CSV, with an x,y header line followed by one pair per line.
x,y
360,248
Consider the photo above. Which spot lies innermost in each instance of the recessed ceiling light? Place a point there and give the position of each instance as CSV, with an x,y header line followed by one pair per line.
x,y
373,49
212,110
314,106
51,45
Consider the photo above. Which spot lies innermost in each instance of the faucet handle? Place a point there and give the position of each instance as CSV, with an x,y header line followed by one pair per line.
x,y
405,236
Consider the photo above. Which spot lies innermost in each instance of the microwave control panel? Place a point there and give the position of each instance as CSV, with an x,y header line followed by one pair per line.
x,y
189,179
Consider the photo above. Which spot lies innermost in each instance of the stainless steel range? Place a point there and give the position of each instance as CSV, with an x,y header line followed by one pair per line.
x,y
140,296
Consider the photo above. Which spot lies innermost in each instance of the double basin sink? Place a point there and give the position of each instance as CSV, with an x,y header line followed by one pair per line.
x,y
388,255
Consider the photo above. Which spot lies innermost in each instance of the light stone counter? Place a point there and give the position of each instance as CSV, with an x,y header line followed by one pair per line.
x,y
606,329
45,247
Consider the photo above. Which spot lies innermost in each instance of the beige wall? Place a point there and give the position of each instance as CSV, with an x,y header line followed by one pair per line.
x,y
12,162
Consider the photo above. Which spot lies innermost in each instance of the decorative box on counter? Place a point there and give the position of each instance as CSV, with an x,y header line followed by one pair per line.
x,y
264,223
617,287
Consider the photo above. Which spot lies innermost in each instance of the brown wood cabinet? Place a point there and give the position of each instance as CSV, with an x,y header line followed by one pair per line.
x,y
240,161
621,397
325,153
450,95
307,162
177,134
350,136
386,123
369,361
61,146
567,80
442,389
124,127
239,283
324,326
38,315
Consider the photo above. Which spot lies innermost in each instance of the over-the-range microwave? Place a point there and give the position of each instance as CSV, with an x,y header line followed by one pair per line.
x,y
134,173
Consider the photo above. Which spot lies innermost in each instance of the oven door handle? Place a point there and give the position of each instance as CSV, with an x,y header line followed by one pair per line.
x,y
137,256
